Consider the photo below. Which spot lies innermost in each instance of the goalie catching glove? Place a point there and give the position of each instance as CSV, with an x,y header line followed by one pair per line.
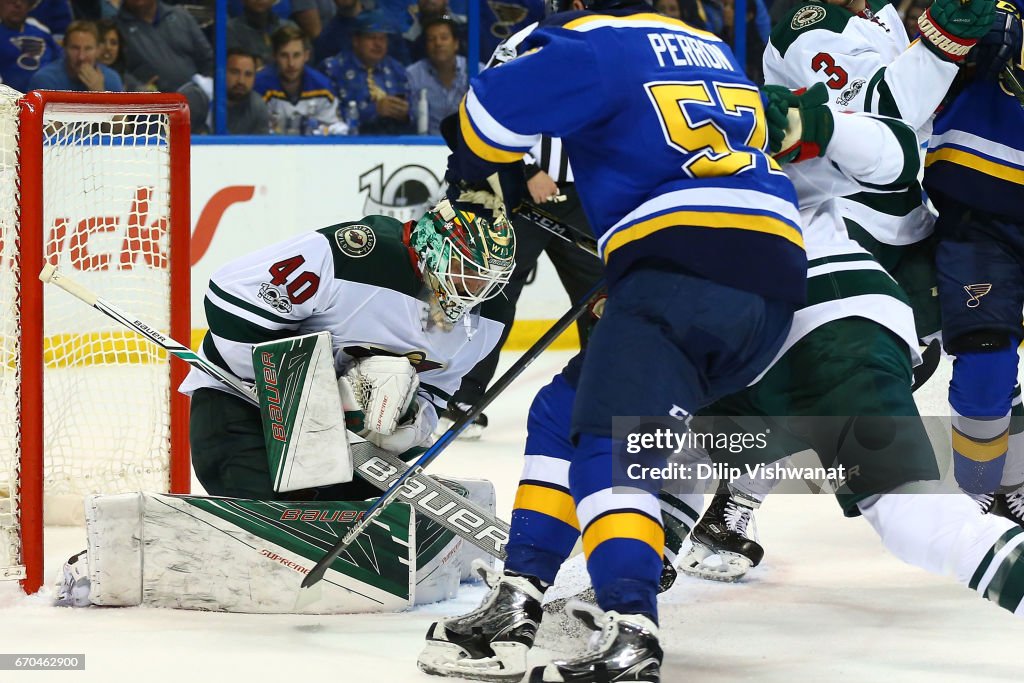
x,y
800,124
383,390
950,28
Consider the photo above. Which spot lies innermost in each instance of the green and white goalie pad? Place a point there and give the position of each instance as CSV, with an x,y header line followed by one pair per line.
x,y
303,419
236,555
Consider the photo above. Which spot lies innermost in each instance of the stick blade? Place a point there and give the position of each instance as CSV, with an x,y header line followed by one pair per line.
x,y
307,596
47,273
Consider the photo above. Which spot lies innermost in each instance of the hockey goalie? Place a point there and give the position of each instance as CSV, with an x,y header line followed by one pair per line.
x,y
354,332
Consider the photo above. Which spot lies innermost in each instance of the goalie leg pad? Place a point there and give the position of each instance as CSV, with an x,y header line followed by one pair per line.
x,y
443,559
237,555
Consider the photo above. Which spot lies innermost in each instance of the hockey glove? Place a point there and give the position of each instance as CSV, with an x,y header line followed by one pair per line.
x,y
808,124
1001,46
415,430
384,387
950,28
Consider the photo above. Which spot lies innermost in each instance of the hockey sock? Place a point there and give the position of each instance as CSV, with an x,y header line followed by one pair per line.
x,y
623,537
1013,471
544,527
980,396
948,534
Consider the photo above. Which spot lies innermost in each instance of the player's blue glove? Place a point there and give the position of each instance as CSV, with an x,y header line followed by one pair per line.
x,y
807,127
1001,46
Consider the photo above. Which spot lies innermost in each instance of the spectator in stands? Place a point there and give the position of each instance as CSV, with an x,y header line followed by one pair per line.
x,y
300,100
110,54
443,73
779,8
425,12
53,14
690,11
79,70
25,47
336,36
251,30
163,41
304,13
247,112
374,81
910,10
758,29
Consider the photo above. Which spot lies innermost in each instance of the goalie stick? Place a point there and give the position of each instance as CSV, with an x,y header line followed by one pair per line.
x,y
377,466
453,432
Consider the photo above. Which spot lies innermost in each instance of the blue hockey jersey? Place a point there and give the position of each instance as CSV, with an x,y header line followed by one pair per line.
x,y
666,137
24,52
976,153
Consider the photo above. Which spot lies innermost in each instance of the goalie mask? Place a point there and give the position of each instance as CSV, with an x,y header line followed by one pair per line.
x,y
465,257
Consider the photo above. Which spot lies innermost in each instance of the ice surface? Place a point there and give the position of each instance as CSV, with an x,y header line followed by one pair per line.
x,y
828,604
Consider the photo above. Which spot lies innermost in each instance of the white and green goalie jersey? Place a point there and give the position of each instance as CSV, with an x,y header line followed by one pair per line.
x,y
357,281
869,65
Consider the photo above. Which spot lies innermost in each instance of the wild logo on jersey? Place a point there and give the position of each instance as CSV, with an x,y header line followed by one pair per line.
x,y
418,359
807,16
355,240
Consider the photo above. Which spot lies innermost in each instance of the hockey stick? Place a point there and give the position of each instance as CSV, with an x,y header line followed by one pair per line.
x,y
453,432
377,466
1012,83
545,220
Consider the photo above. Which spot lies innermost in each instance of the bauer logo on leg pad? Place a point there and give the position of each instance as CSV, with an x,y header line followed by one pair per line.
x,y
303,418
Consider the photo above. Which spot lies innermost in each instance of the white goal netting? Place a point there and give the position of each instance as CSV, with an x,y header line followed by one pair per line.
x,y
106,391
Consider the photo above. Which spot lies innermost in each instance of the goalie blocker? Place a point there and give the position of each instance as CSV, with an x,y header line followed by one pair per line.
x,y
238,555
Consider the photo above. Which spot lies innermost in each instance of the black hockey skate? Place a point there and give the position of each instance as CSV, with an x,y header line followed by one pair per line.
x,y
624,647
491,642
722,533
453,412
1010,506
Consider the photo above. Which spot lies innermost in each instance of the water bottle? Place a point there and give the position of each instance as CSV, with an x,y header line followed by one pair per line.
x,y
352,117
422,113
294,124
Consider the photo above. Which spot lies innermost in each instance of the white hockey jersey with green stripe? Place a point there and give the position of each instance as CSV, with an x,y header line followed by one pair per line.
x,y
843,279
869,65
355,280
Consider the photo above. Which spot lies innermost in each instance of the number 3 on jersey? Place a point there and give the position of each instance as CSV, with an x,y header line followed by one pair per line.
x,y
301,288
837,76
687,111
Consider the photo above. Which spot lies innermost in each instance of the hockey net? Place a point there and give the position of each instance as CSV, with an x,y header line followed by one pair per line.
x,y
96,184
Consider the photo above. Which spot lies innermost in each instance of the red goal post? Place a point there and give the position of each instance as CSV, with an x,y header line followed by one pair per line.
x,y
102,191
